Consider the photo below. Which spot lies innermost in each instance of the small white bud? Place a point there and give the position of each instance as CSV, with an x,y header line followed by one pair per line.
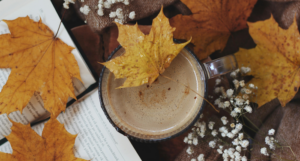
x,y
100,12
132,15
107,5
271,132
218,81
112,14
85,9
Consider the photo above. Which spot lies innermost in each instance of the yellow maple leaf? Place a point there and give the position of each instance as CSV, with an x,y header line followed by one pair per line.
x,y
55,143
146,56
274,62
39,62
211,23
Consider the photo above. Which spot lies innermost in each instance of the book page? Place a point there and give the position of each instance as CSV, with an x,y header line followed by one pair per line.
x,y
36,9
97,139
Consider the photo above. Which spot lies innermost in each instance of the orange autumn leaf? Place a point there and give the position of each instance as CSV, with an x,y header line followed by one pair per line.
x,y
146,56
211,23
39,62
274,62
55,144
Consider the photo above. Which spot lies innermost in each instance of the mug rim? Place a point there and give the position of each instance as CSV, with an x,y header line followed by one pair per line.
x,y
161,139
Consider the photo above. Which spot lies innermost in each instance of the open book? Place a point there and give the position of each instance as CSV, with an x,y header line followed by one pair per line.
x,y
97,139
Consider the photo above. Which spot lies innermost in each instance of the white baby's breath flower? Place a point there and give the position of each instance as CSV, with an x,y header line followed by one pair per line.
x,y
239,101
217,90
244,143
218,81
119,13
201,157
112,14
67,2
241,136
235,142
234,131
223,134
245,96
224,120
221,147
244,158
243,90
100,12
226,104
214,133
211,125
225,151
202,135
239,126
271,132
251,85
242,83
132,15
264,151
202,126
190,135
237,110
245,70
66,5
272,146
219,151
217,101
223,129
237,154
232,125
85,9
233,74
107,5
238,148
233,114
195,141
268,140
185,140
190,142
126,2
100,1
248,91
120,21
247,102
248,109
189,150
230,135
229,92
193,159
221,105
224,94
230,151
236,83
212,144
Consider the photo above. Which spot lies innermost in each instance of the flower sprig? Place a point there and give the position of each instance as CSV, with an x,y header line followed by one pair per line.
x,y
230,140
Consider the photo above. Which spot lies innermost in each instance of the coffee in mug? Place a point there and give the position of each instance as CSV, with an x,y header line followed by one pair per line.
x,y
160,110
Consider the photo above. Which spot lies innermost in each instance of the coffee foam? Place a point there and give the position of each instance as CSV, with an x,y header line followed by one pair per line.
x,y
161,108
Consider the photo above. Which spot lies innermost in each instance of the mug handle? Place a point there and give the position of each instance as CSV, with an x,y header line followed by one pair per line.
x,y
220,66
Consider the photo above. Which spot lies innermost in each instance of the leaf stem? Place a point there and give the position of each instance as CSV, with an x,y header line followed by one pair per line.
x,y
60,24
